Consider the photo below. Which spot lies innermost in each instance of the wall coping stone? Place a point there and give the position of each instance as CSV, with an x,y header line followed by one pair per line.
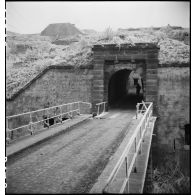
x,y
125,46
179,65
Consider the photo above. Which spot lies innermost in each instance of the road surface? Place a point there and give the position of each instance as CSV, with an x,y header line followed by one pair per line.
x,y
70,162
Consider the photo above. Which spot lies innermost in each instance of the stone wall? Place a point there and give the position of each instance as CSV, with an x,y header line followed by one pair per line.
x,y
173,107
173,112
173,104
144,52
58,85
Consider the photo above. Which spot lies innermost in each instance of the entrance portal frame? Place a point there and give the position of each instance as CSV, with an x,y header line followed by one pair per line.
x,y
130,54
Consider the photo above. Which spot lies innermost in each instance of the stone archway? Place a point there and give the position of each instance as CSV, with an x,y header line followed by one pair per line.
x,y
109,59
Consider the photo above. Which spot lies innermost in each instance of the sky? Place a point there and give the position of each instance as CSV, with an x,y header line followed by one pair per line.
x,y
32,17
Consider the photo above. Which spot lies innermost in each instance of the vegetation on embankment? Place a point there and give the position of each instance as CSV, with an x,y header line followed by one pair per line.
x,y
168,177
27,55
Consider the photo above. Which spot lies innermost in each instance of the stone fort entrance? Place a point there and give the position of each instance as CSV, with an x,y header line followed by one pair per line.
x,y
113,66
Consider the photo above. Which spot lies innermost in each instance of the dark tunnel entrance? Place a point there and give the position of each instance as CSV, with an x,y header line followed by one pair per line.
x,y
123,92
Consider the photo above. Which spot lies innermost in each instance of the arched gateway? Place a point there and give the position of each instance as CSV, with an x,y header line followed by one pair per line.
x,y
113,66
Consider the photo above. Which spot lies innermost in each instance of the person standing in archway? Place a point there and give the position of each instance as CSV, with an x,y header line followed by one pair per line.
x,y
138,88
137,83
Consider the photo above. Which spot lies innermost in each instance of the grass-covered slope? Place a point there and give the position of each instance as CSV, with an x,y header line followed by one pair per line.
x,y
28,55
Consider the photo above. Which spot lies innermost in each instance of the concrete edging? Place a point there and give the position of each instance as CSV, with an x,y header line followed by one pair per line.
x,y
100,183
18,147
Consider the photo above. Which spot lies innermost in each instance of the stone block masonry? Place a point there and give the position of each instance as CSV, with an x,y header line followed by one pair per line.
x,y
146,53
58,85
166,87
173,104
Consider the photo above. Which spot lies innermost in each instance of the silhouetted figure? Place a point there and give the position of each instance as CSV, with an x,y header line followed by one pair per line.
x,y
135,81
138,88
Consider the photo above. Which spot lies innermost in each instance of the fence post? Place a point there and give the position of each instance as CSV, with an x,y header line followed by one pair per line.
x,y
135,168
31,130
148,119
61,113
104,106
47,120
79,108
7,131
71,113
140,150
126,165
137,109
98,110
144,126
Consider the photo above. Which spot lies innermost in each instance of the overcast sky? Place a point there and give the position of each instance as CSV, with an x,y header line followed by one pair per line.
x,y
33,17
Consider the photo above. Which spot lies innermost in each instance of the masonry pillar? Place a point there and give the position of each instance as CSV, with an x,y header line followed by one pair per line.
x,y
152,79
98,81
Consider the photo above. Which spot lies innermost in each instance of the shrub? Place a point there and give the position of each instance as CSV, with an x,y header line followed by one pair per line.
x,y
83,43
108,34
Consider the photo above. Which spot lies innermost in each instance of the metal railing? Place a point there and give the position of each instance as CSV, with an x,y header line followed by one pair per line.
x,y
101,107
41,118
127,161
141,108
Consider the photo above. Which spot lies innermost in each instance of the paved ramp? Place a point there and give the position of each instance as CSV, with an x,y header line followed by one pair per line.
x,y
70,162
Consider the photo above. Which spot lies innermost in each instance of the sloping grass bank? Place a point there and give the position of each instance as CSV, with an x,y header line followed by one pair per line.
x,y
40,52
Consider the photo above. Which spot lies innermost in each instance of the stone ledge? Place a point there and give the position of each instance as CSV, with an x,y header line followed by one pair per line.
x,y
179,65
125,46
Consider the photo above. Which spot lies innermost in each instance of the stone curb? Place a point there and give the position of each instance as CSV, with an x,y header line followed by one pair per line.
x,y
10,151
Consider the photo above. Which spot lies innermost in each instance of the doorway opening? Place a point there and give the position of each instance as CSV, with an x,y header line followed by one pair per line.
x,y
125,89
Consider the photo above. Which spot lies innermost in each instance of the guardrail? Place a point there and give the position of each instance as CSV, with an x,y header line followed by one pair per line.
x,y
127,161
41,118
101,107
141,108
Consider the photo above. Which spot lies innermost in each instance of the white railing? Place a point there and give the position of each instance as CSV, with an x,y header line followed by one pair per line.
x,y
101,107
141,108
135,145
42,117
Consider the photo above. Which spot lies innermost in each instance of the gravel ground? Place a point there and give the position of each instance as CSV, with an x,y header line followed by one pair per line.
x,y
71,162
